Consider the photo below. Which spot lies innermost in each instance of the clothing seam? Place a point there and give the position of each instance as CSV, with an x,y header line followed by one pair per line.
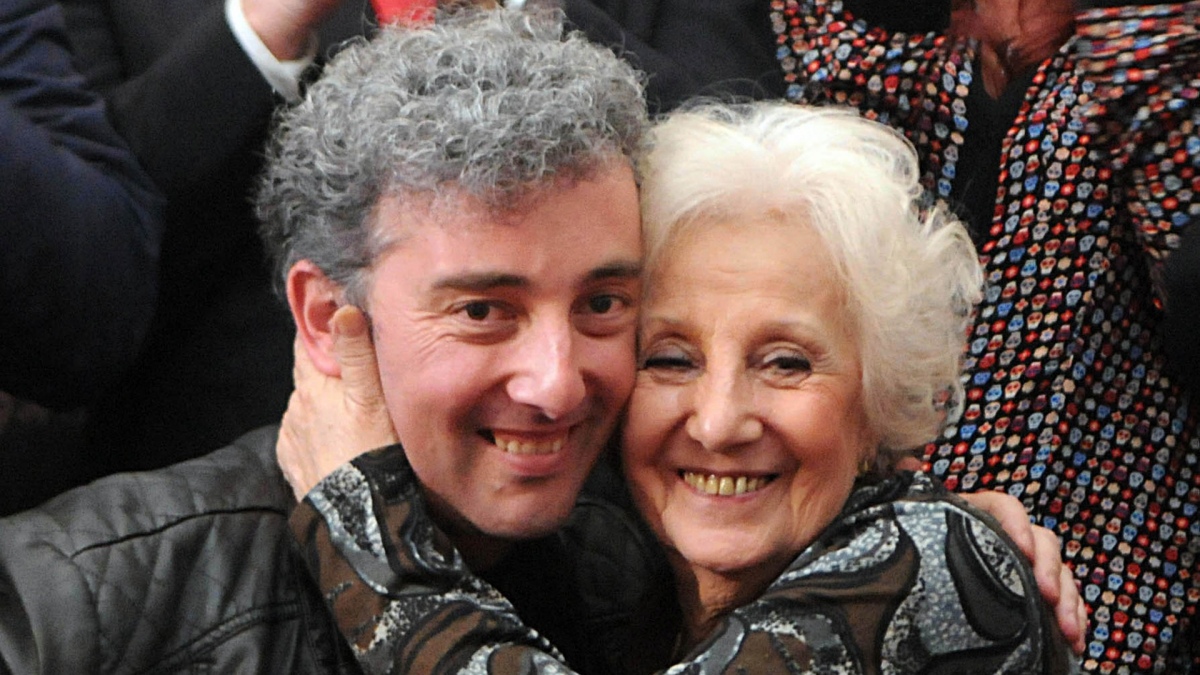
x,y
174,523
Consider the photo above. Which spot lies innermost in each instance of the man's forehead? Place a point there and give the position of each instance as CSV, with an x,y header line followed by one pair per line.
x,y
565,234
401,215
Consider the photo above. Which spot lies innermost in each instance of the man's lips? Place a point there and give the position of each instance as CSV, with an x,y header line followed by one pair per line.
x,y
727,485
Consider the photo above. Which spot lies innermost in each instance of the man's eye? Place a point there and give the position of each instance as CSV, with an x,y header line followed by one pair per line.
x,y
601,303
477,311
604,304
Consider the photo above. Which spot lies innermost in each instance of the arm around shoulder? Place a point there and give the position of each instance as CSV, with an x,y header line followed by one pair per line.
x,y
400,593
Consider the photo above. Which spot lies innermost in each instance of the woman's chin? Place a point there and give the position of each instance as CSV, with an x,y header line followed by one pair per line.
x,y
727,554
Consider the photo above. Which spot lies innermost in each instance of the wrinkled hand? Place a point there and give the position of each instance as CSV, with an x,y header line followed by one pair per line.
x,y
331,420
1044,550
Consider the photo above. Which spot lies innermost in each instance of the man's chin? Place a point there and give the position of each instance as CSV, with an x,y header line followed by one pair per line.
x,y
487,543
523,525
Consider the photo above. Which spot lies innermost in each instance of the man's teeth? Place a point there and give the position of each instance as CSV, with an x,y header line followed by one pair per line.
x,y
724,485
516,447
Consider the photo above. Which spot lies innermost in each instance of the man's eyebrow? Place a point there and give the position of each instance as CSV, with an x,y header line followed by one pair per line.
x,y
479,281
483,281
616,270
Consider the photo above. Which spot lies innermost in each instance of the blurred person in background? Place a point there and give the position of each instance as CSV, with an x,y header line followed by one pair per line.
x,y
80,228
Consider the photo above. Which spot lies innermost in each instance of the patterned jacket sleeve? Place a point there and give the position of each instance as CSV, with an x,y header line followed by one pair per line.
x,y
831,55
914,82
908,575
401,593
1145,63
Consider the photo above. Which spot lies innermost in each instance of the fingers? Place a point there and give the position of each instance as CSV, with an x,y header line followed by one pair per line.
x,y
356,356
362,389
291,451
1071,612
289,455
1057,586
1048,567
1011,515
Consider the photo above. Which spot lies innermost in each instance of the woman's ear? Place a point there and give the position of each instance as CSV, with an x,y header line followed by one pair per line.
x,y
313,298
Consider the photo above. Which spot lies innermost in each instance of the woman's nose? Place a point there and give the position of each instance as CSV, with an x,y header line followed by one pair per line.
x,y
723,416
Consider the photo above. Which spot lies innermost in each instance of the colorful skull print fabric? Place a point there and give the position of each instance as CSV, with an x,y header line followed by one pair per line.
x,y
1070,403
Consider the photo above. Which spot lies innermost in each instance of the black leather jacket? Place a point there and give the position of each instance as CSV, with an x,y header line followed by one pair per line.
x,y
185,569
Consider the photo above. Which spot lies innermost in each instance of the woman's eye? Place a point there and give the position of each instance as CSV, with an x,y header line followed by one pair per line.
x,y
671,361
788,363
666,362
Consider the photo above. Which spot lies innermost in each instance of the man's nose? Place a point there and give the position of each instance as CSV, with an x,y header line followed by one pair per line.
x,y
548,374
723,416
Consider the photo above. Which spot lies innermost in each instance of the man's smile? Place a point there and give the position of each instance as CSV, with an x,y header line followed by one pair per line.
x,y
523,445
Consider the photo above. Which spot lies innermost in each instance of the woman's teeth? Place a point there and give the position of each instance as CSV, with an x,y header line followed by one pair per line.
x,y
712,484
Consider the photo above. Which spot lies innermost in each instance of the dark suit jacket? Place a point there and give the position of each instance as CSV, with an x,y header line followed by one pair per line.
x,y
79,222
689,48
195,110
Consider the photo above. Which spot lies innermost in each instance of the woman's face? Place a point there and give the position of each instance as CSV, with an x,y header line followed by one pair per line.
x,y
746,427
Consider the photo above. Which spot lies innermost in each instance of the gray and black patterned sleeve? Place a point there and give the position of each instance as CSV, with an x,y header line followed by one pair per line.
x,y
907,576
401,593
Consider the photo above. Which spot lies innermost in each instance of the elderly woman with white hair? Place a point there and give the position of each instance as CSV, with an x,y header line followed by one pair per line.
x,y
801,331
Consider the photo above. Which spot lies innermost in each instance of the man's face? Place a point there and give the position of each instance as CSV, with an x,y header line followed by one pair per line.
x,y
506,347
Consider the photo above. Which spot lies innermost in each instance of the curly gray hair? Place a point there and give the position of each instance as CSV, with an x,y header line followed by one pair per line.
x,y
912,274
490,104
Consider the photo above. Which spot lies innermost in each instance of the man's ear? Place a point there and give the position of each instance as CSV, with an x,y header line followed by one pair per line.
x,y
313,298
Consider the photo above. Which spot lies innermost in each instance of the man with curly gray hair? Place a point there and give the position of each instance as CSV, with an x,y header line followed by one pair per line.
x,y
487,106
464,194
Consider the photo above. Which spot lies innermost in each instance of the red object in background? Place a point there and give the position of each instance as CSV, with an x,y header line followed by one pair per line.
x,y
404,11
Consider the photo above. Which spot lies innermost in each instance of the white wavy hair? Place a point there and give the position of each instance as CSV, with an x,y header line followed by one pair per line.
x,y
911,274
